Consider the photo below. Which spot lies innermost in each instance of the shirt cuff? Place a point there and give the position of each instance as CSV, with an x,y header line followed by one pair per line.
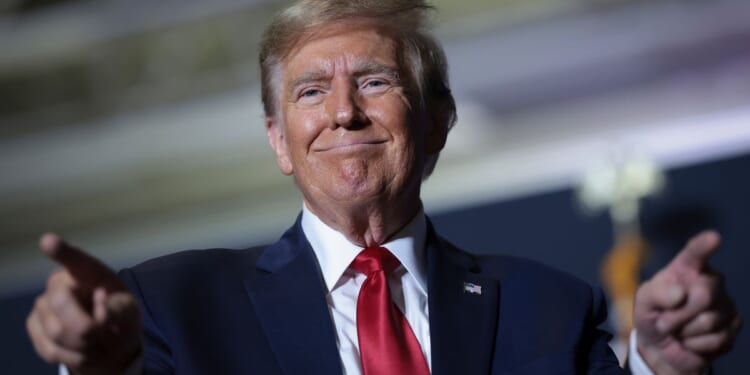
x,y
135,368
636,363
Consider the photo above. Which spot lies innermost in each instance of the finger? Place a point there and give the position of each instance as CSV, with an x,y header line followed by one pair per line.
x,y
54,328
34,328
50,325
100,305
652,298
705,323
712,344
60,279
77,325
47,349
661,293
700,298
697,251
721,314
83,267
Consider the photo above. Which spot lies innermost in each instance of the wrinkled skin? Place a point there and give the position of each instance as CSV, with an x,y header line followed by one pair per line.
x,y
348,132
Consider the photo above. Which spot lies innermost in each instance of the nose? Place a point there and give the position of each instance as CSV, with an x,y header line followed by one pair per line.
x,y
344,108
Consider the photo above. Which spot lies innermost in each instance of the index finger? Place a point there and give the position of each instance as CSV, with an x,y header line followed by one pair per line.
x,y
697,251
84,268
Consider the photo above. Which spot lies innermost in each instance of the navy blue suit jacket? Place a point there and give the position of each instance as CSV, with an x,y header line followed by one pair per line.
x,y
264,311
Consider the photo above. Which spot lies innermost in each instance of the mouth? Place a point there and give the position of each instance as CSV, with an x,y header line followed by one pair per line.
x,y
350,145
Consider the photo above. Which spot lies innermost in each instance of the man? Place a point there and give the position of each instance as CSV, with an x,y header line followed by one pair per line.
x,y
358,109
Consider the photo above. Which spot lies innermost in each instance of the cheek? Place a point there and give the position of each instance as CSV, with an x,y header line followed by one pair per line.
x,y
394,115
303,127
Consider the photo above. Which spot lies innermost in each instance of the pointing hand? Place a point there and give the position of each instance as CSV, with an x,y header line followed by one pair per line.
x,y
683,315
86,319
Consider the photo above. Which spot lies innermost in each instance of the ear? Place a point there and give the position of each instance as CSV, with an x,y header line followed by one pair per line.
x,y
277,139
437,132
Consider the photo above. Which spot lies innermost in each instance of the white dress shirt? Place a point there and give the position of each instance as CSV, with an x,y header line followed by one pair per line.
x,y
408,283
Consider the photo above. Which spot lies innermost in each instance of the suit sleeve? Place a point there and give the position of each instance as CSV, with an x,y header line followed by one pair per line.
x,y
157,356
600,359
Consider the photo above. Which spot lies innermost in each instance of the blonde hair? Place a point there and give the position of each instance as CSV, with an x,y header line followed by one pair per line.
x,y
423,56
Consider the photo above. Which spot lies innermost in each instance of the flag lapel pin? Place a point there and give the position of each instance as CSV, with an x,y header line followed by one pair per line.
x,y
472,288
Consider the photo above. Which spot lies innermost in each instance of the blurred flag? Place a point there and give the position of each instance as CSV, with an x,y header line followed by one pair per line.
x,y
618,187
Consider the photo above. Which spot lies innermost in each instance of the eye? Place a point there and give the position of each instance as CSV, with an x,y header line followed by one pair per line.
x,y
374,83
309,93
375,86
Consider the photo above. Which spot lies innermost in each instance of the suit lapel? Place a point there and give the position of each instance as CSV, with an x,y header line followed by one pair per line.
x,y
289,297
463,320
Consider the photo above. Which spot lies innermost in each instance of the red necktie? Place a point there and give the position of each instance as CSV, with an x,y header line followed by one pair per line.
x,y
387,345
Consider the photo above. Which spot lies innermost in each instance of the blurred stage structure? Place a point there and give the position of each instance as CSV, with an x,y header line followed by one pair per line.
x,y
135,128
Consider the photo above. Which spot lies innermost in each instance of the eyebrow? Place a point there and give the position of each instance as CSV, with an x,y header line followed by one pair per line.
x,y
316,75
374,67
360,69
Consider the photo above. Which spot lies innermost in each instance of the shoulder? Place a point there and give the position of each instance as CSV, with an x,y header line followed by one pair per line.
x,y
533,280
190,259
185,268
562,309
517,269
541,282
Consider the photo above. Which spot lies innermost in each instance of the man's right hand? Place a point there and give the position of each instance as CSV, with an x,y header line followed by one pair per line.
x,y
86,319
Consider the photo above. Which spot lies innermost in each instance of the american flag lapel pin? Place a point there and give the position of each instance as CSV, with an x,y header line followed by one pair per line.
x,y
472,288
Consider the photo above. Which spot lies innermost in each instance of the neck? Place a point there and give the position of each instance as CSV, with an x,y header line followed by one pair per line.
x,y
371,225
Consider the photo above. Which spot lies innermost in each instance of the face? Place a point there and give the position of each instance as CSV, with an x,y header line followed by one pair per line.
x,y
347,130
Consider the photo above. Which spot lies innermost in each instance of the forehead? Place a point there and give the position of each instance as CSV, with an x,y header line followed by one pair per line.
x,y
340,46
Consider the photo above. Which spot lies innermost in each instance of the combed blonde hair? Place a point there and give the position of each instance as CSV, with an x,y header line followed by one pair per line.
x,y
423,56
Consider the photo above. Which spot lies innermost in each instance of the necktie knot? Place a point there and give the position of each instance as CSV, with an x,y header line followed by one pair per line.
x,y
374,259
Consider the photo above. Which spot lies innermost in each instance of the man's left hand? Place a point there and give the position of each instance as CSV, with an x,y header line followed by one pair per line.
x,y
683,315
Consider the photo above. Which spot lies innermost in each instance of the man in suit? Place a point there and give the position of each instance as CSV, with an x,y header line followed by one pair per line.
x,y
358,108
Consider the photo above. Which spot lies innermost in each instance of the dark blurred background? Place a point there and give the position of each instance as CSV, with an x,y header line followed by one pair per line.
x,y
135,129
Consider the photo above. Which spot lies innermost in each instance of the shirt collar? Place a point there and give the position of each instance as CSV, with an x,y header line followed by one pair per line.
x,y
335,253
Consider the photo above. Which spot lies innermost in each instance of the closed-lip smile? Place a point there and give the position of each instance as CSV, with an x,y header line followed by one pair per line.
x,y
349,144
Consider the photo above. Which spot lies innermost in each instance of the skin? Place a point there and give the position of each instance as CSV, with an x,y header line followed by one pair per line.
x,y
684,315
349,134
86,319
